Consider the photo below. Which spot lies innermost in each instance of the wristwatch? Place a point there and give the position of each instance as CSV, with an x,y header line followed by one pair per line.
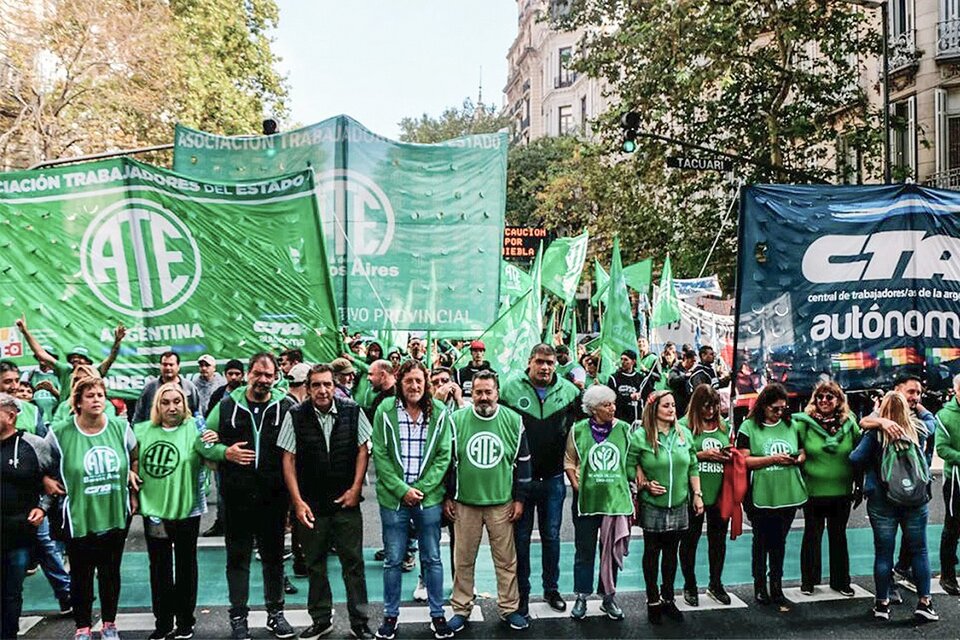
x,y
699,494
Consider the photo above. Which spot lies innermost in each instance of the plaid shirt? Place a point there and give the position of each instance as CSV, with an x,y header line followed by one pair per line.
x,y
413,441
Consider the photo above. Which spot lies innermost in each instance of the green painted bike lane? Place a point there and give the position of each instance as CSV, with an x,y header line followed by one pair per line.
x,y
38,597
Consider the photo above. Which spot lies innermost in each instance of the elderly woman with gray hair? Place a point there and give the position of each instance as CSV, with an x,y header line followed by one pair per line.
x,y
596,464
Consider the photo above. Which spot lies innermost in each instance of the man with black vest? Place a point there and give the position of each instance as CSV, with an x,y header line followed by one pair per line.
x,y
254,495
324,442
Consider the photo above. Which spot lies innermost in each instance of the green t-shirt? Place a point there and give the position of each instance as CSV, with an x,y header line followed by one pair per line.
x,y
64,372
827,470
43,398
94,469
485,450
170,467
29,414
604,474
711,473
775,486
674,463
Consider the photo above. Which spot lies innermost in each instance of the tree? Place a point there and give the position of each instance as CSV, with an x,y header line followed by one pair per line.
x,y
453,123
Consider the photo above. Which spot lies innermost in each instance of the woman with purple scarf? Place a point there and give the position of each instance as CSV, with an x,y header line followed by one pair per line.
x,y
596,464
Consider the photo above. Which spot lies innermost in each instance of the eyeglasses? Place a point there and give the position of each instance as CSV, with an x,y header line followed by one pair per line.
x,y
777,408
826,396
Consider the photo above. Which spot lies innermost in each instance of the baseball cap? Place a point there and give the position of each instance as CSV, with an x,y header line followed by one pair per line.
x,y
7,401
81,351
630,353
478,344
298,373
209,359
342,366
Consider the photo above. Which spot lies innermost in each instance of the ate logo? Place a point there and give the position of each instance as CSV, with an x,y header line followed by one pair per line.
x,y
140,259
160,459
779,447
351,201
485,450
604,457
100,461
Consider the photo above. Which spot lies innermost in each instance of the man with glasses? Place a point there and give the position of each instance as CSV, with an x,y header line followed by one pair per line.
x,y
208,381
445,389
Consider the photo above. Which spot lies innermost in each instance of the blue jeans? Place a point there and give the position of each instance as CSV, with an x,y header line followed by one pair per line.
x,y
886,518
396,537
547,497
50,554
14,570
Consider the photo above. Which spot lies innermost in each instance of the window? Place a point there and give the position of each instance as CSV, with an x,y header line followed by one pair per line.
x,y
848,161
903,47
565,120
565,76
947,124
903,138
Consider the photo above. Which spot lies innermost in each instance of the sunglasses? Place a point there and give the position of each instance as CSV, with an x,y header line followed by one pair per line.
x,y
777,408
826,396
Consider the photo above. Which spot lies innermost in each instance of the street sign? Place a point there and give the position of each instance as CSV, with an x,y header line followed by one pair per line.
x,y
520,243
699,164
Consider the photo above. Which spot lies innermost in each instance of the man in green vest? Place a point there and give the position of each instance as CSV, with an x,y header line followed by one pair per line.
x,y
491,472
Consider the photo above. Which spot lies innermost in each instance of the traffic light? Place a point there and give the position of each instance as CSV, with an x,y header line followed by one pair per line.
x,y
629,122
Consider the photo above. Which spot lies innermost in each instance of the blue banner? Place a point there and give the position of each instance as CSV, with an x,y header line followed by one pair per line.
x,y
859,284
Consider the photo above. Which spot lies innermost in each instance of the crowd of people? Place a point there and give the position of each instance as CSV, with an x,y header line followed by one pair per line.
x,y
286,443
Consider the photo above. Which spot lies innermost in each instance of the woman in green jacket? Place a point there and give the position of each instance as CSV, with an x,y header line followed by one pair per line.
x,y
411,453
773,455
667,477
172,499
828,434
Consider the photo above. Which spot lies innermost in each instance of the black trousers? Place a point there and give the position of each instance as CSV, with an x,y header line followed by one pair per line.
x,y
770,529
660,548
951,529
100,556
344,531
174,596
716,546
265,519
833,512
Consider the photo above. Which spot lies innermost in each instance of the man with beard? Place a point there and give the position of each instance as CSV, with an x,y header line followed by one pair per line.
x,y
475,366
490,475
255,495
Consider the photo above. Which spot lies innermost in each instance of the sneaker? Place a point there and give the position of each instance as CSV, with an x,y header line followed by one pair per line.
x,y
441,630
185,633
671,611
360,632
409,562
881,610
579,611
517,622
109,631
846,591
610,607
760,593
66,608
719,594
288,587
239,629
299,570
316,630
214,531
925,613
420,592
160,634
949,586
387,630
278,625
380,555
904,580
806,589
83,633
556,602
457,623
691,597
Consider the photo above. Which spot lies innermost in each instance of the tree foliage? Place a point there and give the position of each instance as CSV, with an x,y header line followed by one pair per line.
x,y
86,77
453,123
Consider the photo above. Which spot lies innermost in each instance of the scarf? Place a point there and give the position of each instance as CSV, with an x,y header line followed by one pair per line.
x,y
600,431
832,429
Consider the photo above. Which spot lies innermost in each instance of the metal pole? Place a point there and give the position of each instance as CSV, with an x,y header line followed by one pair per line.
x,y
885,31
101,156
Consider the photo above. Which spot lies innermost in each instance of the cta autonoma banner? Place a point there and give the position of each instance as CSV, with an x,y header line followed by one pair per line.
x,y
413,231
185,264
856,283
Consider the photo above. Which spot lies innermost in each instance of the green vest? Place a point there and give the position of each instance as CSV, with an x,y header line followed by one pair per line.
x,y
775,486
711,473
94,471
604,475
170,468
485,451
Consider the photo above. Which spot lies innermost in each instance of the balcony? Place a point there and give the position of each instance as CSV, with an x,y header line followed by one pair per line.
x,y
903,52
949,179
948,39
566,79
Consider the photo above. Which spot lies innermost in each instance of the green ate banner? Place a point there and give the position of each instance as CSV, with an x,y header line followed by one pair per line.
x,y
413,231
185,264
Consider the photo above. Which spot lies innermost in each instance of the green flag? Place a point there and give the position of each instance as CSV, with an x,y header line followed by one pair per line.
x,y
617,331
562,265
637,276
514,282
666,308
569,325
600,280
194,266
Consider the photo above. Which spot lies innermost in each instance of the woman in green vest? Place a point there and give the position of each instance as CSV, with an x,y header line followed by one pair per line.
x,y
711,443
828,434
773,455
596,464
172,499
93,456
667,479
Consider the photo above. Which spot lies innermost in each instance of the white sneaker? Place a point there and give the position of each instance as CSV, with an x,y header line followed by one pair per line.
x,y
420,592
